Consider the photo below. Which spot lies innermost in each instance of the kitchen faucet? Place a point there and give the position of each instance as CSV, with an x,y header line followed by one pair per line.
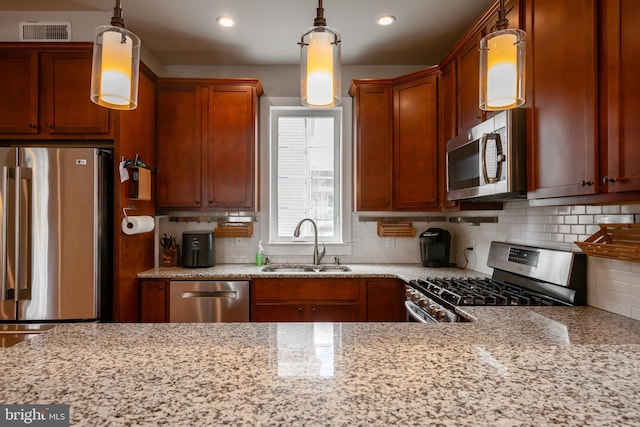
x,y
317,254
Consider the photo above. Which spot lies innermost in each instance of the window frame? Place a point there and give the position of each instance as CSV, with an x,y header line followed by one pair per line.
x,y
275,112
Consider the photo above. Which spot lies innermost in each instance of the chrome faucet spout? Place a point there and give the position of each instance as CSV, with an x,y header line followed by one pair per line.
x,y
317,254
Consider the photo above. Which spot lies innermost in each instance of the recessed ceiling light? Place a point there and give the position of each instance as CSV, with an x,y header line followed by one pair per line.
x,y
386,20
226,21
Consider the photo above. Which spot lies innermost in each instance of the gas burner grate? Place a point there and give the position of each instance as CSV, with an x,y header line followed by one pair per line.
x,y
481,291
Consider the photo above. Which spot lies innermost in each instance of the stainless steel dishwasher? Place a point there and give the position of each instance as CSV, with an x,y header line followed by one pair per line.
x,y
208,301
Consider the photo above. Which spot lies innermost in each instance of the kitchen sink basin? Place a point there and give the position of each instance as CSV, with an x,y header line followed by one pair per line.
x,y
308,268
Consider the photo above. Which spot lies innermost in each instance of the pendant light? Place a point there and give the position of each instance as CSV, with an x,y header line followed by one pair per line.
x,y
320,64
116,61
502,56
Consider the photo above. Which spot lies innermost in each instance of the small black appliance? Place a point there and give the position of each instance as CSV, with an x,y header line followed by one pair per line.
x,y
435,246
197,249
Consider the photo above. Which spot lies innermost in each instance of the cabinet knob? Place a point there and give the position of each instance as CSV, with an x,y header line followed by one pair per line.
x,y
608,180
314,309
299,309
210,202
197,202
49,126
32,126
386,202
584,183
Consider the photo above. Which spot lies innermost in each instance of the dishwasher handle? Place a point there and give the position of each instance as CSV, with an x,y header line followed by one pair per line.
x,y
209,294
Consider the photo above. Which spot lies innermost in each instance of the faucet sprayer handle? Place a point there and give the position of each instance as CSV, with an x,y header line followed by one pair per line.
x,y
321,252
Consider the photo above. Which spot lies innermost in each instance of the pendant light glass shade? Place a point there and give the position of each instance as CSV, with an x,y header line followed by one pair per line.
x,y
116,63
320,84
502,70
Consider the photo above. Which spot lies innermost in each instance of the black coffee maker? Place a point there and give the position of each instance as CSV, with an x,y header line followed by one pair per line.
x,y
435,245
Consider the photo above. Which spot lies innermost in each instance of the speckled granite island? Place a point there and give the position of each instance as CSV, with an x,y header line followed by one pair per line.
x,y
513,366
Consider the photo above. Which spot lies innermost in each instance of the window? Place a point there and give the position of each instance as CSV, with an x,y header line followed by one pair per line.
x,y
305,173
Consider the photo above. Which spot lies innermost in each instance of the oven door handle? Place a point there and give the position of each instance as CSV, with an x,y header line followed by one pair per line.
x,y
411,312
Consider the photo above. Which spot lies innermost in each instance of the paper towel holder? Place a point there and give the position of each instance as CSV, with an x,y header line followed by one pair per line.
x,y
124,211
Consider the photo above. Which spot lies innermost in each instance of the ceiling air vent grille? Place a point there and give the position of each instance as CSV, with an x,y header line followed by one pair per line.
x,y
45,31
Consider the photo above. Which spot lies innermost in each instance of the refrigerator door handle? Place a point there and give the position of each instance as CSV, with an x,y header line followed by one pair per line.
x,y
5,211
24,191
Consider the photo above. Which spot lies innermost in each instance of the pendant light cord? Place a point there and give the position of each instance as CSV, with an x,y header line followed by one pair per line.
x,y
320,20
117,20
502,22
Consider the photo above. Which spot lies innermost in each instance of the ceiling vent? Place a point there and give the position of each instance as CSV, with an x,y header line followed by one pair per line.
x,y
45,31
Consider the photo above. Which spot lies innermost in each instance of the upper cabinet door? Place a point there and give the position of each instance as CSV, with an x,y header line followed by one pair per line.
x,y
230,147
415,145
66,77
469,113
372,130
178,145
620,68
562,99
19,88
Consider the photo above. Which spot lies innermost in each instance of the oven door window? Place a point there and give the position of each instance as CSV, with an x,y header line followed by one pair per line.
x,y
464,166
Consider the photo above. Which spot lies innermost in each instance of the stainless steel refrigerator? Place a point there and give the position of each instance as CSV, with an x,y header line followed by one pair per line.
x,y
55,233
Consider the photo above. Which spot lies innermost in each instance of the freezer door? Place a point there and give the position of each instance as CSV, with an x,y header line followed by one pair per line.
x,y
8,159
64,234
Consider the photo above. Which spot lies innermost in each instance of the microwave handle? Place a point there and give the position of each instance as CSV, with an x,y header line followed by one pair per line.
x,y
500,157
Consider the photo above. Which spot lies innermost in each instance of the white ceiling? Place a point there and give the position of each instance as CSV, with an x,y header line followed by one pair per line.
x,y
184,32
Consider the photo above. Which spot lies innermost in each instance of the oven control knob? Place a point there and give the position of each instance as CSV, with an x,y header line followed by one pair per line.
x,y
424,302
408,293
433,310
416,296
443,316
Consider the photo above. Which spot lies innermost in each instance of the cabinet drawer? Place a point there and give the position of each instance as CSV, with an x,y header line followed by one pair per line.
x,y
306,289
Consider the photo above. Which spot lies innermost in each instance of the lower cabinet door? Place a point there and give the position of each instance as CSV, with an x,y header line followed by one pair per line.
x,y
153,299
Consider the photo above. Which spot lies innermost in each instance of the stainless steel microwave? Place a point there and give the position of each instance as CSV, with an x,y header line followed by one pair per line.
x,y
489,161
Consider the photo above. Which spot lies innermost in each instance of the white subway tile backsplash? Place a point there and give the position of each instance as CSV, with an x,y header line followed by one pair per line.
x,y
613,285
611,209
594,210
578,209
571,219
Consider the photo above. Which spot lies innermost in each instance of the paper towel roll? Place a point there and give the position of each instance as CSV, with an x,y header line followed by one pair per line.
x,y
137,224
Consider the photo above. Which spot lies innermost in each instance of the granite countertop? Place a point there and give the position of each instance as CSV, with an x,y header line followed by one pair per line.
x,y
530,366
248,271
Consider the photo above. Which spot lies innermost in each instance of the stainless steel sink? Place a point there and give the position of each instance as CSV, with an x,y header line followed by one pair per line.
x,y
308,268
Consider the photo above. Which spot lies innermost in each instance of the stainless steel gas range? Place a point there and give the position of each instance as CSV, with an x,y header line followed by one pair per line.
x,y
522,275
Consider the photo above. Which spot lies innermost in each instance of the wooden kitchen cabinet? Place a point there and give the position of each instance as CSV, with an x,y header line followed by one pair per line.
x,y
308,300
385,301
562,98
154,301
49,87
415,142
19,84
373,136
620,89
468,93
206,148
395,142
447,128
